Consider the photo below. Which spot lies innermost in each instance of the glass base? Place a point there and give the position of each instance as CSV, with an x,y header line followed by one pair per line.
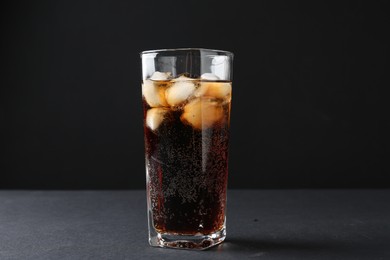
x,y
192,242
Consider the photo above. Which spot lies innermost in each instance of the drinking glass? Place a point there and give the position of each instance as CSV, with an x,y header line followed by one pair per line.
x,y
186,102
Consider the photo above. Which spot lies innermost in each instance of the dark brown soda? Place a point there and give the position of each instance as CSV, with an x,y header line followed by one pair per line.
x,y
187,172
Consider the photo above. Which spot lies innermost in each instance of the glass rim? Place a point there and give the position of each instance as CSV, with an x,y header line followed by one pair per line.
x,y
220,52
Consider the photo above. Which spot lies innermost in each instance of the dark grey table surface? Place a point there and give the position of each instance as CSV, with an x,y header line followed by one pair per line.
x,y
263,224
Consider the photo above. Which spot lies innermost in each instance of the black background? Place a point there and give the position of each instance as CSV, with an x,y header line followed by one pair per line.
x,y
309,106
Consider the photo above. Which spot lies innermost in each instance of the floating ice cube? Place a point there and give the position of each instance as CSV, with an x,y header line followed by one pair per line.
x,y
155,116
157,75
182,78
202,113
154,95
214,89
179,92
209,76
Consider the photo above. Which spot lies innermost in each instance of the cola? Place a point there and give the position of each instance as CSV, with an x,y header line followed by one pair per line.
x,y
186,126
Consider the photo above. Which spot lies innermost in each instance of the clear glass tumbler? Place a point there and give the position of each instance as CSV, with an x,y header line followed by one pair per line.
x,y
186,100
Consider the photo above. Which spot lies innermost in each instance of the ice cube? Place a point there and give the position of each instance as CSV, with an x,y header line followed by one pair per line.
x,y
220,90
154,95
202,113
182,78
209,76
157,75
155,116
179,92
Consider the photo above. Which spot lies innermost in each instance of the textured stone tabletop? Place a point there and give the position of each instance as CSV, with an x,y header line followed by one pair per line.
x,y
263,224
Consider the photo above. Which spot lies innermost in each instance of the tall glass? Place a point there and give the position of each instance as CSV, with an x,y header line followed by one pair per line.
x,y
186,100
